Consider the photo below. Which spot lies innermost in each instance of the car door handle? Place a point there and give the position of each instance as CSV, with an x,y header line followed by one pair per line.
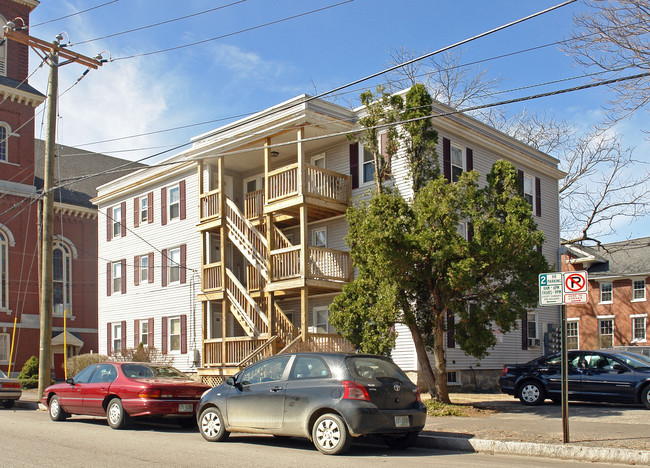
x,y
276,389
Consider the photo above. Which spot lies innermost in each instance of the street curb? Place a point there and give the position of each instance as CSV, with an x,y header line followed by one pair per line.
x,y
564,452
32,405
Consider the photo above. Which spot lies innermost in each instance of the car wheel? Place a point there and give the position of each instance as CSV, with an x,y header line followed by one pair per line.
x,y
117,417
402,442
8,403
55,410
330,435
645,396
211,425
532,393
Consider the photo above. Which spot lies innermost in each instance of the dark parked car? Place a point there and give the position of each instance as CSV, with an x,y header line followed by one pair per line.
x,y
326,397
124,390
603,375
9,390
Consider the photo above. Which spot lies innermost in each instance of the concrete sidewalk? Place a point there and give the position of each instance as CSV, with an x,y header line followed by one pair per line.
x,y
598,432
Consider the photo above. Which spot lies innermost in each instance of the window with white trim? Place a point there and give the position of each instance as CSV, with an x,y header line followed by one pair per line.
x,y
319,237
144,209
319,160
4,271
321,320
606,295
461,229
144,269
572,334
4,141
117,337
3,52
605,333
367,166
117,277
529,190
532,325
638,290
174,203
457,163
144,333
117,221
174,266
638,328
62,279
4,348
175,334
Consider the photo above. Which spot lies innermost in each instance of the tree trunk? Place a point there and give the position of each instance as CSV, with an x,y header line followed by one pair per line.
x,y
423,361
439,363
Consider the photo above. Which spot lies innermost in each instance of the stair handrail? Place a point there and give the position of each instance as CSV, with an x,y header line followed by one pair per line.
x,y
249,299
244,362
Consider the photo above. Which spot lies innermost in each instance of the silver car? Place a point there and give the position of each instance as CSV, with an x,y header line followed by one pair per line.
x,y
329,398
9,390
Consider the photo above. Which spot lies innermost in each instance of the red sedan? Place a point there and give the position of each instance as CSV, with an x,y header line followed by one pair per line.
x,y
124,390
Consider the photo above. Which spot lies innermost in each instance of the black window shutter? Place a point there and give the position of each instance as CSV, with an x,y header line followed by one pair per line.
x,y
136,270
183,334
109,278
446,158
451,342
181,189
470,231
469,155
164,335
136,333
109,338
524,332
123,220
123,336
123,268
163,206
183,263
164,267
538,197
354,164
520,176
150,337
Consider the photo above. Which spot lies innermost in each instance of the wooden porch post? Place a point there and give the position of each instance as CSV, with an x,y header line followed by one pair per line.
x,y
201,188
301,162
267,167
304,313
222,239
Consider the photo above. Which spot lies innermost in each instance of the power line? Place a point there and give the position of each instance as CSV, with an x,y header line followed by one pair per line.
x,y
161,23
263,25
73,14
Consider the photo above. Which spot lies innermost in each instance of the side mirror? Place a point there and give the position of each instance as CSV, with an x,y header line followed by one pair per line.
x,y
230,381
619,367
69,381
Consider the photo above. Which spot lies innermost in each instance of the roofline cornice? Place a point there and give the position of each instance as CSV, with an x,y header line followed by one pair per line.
x,y
30,3
21,97
74,210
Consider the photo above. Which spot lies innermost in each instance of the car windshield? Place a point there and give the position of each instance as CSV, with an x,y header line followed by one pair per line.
x,y
636,361
145,371
367,367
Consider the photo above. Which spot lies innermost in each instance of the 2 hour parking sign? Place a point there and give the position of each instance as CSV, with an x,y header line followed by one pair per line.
x,y
563,288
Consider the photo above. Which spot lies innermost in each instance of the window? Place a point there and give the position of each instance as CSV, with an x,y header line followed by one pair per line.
x,y
105,373
117,337
4,347
144,268
309,367
529,190
606,293
175,334
572,335
144,333
367,166
638,328
117,221
4,142
117,277
321,321
319,160
461,229
605,333
638,290
532,325
85,374
144,209
268,371
319,237
4,271
174,268
452,378
3,53
457,163
174,203
62,279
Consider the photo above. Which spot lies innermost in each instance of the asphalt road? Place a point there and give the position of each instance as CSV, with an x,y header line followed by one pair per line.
x,y
29,438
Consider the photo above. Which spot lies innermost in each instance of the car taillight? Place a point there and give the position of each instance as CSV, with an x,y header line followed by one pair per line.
x,y
505,371
418,397
10,385
154,393
354,391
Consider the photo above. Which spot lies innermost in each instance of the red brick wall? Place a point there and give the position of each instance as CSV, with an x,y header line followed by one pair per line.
x,y
17,53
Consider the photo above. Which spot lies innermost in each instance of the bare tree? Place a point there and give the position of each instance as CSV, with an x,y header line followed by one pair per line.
x,y
612,36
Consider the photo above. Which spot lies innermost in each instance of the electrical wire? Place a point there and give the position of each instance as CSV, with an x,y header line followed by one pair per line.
x,y
73,14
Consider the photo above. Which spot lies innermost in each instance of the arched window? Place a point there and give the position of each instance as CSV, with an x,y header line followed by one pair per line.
x,y
4,142
62,279
4,270
3,52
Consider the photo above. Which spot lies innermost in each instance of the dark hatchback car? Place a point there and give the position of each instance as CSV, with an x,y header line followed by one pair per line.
x,y
602,375
120,391
326,397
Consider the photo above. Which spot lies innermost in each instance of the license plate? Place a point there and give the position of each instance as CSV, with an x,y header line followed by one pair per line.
x,y
402,421
185,408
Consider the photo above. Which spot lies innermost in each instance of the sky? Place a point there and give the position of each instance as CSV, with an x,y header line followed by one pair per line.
x,y
254,54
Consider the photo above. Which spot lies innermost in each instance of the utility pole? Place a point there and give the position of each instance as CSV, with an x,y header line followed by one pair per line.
x,y
50,52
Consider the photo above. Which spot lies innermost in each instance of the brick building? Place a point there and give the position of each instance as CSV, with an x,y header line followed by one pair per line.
x,y
617,311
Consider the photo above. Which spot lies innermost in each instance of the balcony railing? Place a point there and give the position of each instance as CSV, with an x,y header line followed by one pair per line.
x,y
211,279
319,182
237,349
209,205
322,263
254,204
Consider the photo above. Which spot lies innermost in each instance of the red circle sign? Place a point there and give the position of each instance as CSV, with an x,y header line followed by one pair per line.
x,y
574,282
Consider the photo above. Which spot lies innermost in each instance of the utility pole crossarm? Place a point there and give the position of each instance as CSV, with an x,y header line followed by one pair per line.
x,y
49,47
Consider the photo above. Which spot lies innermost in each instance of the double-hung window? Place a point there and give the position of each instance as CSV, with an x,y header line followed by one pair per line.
x,y
144,268
572,334
321,320
174,273
638,328
117,337
4,271
4,347
606,333
529,190
367,166
144,333
638,290
117,221
457,163
175,334
606,295
174,203
117,277
144,209
4,143
61,279
319,237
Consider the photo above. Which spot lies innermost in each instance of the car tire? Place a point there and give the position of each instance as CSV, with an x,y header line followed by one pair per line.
x,y
55,410
8,403
115,414
330,435
532,393
402,442
645,396
211,425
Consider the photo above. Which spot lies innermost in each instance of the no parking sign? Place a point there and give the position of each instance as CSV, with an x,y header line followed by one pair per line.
x,y
563,288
